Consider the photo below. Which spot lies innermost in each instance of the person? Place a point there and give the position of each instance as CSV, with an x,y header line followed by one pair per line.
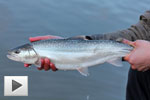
x,y
138,36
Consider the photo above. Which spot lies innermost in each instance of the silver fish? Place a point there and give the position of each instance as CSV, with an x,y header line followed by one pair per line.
x,y
69,54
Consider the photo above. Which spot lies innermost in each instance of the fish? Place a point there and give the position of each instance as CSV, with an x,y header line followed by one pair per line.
x,y
70,54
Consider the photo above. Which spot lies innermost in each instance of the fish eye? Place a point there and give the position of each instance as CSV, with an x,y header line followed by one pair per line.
x,y
17,51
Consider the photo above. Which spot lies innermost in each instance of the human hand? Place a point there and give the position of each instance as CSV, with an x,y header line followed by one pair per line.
x,y
139,58
46,64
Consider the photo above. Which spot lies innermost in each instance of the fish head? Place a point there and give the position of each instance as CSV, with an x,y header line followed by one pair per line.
x,y
24,53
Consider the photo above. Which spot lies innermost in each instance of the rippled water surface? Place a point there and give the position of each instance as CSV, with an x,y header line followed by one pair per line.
x,y
20,19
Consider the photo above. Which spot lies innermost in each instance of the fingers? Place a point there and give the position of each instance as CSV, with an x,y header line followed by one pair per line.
x,y
143,68
49,65
53,67
27,65
133,67
146,69
39,68
140,68
127,57
42,64
46,65
129,42
38,38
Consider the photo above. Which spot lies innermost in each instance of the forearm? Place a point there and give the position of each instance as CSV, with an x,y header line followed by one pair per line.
x,y
141,31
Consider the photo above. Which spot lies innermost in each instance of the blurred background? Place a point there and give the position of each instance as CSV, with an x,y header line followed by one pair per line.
x,y
21,19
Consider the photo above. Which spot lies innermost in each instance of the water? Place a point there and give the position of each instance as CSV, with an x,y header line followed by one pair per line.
x,y
20,19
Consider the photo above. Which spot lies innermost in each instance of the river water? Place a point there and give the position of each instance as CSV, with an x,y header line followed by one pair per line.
x,y
20,19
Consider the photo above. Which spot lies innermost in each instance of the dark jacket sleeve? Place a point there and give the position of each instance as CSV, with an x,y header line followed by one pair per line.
x,y
141,30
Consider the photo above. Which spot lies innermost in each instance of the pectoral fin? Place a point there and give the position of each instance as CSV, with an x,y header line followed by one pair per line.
x,y
116,62
83,71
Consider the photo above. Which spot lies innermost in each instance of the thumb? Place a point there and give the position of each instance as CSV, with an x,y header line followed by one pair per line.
x,y
133,44
126,58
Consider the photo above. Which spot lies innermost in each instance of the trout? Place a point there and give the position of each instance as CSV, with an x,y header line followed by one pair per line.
x,y
69,54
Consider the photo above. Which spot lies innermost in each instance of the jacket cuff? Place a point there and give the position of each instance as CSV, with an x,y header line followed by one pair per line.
x,y
146,17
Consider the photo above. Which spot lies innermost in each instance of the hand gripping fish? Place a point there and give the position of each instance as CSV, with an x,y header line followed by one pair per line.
x,y
69,54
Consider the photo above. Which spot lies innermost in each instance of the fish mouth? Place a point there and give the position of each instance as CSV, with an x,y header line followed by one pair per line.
x,y
12,57
9,55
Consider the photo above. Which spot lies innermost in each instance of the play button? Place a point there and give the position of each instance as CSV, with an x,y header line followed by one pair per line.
x,y
15,85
